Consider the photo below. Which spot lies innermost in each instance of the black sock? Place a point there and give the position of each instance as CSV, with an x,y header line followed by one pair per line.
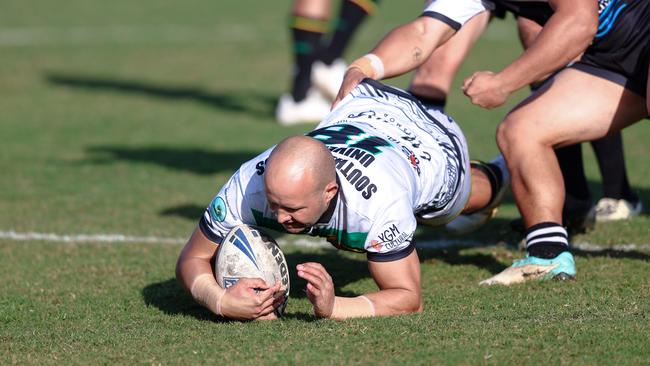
x,y
546,240
611,161
307,33
437,104
573,171
352,13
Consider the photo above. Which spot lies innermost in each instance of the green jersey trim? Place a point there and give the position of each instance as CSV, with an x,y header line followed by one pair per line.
x,y
354,242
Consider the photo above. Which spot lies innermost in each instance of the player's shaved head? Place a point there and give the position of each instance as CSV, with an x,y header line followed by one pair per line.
x,y
300,160
300,182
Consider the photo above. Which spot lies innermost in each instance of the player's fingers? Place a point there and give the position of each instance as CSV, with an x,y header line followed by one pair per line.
x,y
267,304
263,314
467,82
318,269
270,316
278,301
313,266
256,283
312,278
267,294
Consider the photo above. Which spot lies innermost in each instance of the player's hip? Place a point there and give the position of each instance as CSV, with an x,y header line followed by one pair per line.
x,y
452,176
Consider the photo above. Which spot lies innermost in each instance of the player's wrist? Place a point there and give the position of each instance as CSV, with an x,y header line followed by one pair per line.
x,y
370,65
352,307
207,292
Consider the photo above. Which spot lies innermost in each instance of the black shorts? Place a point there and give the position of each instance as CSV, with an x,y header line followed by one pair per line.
x,y
620,51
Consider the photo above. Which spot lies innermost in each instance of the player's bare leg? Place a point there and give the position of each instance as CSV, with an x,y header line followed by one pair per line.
x,y
432,80
573,108
557,116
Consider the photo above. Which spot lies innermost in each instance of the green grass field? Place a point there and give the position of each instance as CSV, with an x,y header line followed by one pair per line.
x,y
124,118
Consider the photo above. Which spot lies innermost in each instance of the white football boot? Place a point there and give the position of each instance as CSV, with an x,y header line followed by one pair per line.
x,y
309,110
328,78
467,223
610,209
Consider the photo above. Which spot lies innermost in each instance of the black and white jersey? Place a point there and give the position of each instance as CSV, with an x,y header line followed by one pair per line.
x,y
394,162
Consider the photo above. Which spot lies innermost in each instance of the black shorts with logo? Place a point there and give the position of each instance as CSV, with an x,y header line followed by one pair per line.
x,y
620,51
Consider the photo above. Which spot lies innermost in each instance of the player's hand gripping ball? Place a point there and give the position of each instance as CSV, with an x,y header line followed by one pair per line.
x,y
249,252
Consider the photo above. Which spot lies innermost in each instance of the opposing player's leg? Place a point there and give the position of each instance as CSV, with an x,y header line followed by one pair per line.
x,y
432,80
619,202
574,107
308,23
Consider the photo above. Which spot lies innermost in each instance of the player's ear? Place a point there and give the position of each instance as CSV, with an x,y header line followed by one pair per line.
x,y
330,190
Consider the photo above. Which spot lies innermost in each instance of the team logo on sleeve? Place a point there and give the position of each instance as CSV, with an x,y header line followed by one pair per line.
x,y
218,209
391,237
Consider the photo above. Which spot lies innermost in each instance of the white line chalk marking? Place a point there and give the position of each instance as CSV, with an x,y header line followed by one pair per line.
x,y
302,242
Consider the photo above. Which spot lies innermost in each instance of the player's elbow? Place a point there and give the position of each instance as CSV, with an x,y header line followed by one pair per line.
x,y
587,29
410,302
179,269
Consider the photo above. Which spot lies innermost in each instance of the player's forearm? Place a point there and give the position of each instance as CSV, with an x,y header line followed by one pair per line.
x,y
389,302
195,274
564,37
408,46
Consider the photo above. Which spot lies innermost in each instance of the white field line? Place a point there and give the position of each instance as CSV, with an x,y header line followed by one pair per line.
x,y
302,242
87,238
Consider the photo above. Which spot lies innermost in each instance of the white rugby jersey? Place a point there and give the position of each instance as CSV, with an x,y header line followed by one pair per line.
x,y
394,161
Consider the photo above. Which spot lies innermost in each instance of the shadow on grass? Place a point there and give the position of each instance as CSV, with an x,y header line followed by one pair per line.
x,y
169,296
186,211
612,253
198,161
239,101
453,257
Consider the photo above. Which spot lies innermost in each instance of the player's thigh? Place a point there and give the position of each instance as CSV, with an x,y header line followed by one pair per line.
x,y
453,52
439,70
573,107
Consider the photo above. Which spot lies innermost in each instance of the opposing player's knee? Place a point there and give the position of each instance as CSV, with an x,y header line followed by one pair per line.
x,y
515,133
506,136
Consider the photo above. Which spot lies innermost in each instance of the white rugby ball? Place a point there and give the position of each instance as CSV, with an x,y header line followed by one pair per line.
x,y
249,252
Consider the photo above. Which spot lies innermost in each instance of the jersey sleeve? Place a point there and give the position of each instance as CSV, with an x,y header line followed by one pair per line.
x,y
391,236
456,13
225,210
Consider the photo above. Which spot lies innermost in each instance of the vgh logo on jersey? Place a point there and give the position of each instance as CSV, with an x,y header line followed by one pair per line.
x,y
240,241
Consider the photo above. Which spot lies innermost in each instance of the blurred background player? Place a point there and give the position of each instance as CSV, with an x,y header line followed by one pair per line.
x,y
318,65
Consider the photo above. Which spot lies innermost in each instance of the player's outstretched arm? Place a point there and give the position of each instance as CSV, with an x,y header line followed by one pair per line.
x,y
248,299
564,37
399,290
402,50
